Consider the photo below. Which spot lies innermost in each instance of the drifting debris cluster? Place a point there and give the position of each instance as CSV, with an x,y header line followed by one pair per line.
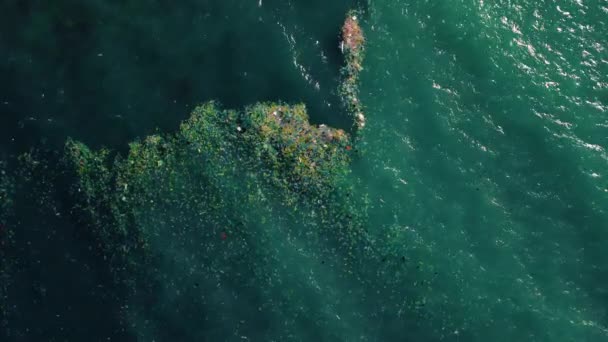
x,y
271,144
300,156
353,48
231,191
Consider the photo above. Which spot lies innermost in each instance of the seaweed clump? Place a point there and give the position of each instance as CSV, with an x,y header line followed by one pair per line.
x,y
353,48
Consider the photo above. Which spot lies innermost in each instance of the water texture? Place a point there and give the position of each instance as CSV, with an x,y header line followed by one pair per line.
x,y
474,207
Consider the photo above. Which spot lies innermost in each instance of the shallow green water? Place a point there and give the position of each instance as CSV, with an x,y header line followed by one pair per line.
x,y
481,173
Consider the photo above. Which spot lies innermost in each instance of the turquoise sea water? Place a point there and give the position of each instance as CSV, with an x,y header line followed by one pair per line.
x,y
481,171
486,158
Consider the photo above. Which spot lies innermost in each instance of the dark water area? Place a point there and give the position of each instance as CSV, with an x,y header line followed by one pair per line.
x,y
106,72
57,280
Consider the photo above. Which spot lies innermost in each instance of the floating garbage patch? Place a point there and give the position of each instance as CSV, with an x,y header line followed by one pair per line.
x,y
242,225
219,211
353,49
237,221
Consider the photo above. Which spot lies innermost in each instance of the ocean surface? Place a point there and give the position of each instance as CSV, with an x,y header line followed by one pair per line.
x,y
483,165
